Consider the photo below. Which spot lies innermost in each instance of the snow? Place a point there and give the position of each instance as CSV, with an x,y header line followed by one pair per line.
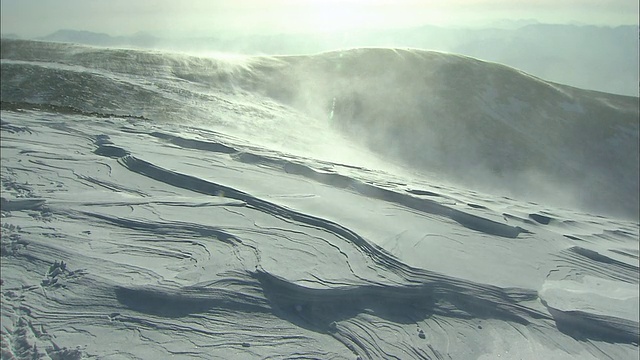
x,y
282,236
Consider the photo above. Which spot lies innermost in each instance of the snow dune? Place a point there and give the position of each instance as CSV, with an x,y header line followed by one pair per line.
x,y
157,204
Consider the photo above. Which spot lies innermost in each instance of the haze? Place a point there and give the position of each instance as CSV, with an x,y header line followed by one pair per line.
x,y
31,18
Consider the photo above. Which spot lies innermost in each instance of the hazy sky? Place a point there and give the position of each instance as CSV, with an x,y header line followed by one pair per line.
x,y
31,18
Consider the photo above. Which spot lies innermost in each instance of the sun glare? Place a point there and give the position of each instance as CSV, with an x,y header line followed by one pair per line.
x,y
335,15
332,15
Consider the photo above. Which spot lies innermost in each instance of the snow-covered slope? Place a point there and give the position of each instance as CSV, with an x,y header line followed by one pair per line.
x,y
481,124
478,124
157,204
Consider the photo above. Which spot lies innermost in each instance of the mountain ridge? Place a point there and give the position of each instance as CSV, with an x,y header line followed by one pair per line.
x,y
480,123
585,56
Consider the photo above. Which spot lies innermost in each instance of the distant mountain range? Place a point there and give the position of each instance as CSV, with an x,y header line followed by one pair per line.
x,y
140,39
591,57
11,36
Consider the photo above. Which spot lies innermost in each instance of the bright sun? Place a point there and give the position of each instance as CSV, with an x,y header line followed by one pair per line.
x,y
334,15
344,15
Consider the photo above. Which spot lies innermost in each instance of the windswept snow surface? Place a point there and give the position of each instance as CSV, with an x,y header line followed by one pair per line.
x,y
357,204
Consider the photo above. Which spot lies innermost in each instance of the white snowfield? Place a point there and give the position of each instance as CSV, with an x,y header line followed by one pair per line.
x,y
357,204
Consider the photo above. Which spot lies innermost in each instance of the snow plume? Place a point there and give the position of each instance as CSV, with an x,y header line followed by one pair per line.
x,y
478,123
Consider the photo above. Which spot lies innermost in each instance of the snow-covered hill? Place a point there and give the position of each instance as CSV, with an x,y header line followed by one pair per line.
x,y
345,205
478,124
